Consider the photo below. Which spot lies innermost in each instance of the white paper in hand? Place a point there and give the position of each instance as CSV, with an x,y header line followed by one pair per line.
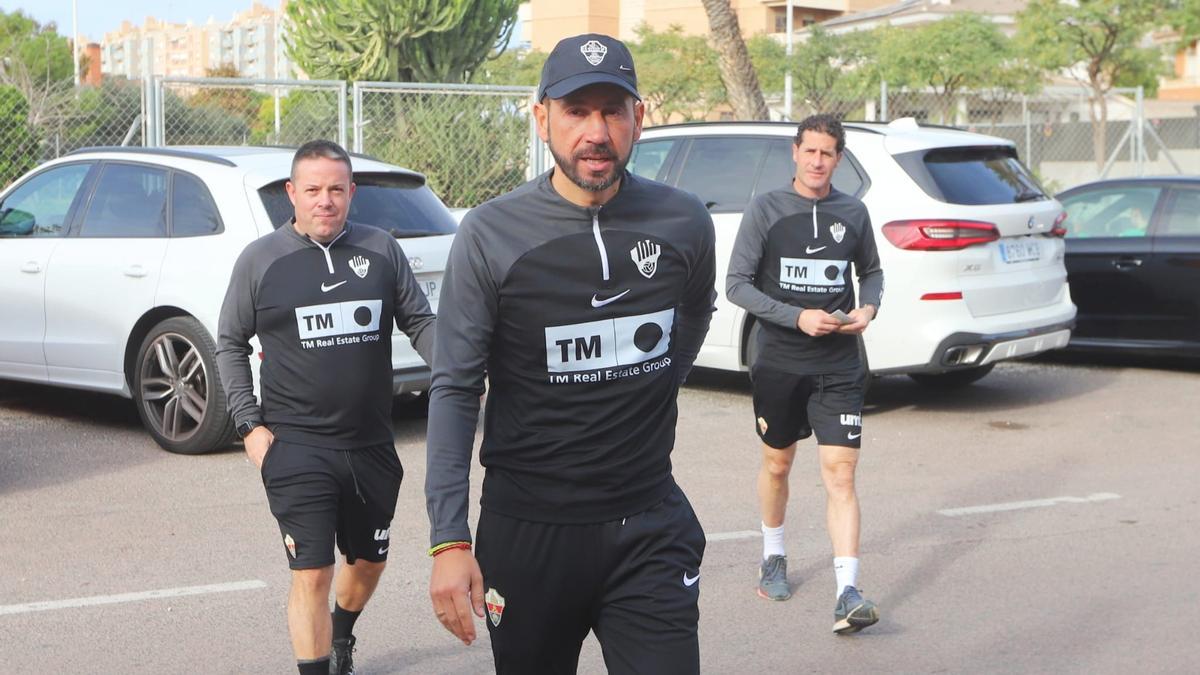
x,y
841,316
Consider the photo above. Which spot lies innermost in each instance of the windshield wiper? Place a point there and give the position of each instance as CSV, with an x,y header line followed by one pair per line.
x,y
410,234
1027,196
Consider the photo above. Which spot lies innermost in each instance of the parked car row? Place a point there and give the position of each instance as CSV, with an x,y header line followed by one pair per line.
x,y
114,261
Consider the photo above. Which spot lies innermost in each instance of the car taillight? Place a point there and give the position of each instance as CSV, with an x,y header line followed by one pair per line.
x,y
1057,230
939,235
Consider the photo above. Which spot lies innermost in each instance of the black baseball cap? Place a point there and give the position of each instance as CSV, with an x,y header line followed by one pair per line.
x,y
582,60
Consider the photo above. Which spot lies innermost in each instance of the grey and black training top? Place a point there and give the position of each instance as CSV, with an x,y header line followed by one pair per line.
x,y
324,317
793,253
585,321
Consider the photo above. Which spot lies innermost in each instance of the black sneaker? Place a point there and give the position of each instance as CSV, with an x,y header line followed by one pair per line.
x,y
341,657
853,612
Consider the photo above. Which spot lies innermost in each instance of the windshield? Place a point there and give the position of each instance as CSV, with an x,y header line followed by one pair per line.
x,y
974,175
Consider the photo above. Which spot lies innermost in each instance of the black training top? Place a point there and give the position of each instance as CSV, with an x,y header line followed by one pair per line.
x,y
585,321
324,317
792,254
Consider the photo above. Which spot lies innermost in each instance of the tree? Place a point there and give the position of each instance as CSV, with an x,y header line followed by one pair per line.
x,y
678,76
240,102
824,66
16,136
454,55
36,51
36,60
1184,17
737,71
971,53
513,67
1099,43
395,40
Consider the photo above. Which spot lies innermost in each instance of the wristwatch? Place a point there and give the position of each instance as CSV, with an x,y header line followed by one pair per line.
x,y
244,428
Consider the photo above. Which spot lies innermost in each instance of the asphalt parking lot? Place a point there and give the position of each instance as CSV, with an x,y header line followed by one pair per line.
x,y
1044,519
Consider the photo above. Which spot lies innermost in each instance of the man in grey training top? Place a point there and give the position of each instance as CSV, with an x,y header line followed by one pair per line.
x,y
322,294
790,268
584,295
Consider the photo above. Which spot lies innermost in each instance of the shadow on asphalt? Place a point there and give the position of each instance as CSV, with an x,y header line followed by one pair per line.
x,y
1012,385
55,436
51,435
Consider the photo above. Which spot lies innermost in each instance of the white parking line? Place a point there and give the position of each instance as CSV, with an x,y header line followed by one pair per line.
x,y
132,597
740,534
1030,504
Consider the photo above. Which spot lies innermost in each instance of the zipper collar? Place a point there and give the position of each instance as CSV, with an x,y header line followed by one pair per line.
x,y
808,201
309,241
546,188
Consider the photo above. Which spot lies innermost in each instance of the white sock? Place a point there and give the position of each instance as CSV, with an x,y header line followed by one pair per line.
x,y
846,570
772,541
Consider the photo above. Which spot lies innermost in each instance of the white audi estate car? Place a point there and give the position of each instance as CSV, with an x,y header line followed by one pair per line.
x,y
114,264
971,246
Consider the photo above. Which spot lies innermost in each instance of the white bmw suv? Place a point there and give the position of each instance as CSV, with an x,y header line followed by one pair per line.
x,y
114,263
971,246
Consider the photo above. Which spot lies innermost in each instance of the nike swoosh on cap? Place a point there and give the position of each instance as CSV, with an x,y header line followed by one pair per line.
x,y
597,302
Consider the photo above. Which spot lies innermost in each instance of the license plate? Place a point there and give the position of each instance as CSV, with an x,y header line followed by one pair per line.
x,y
1020,250
431,288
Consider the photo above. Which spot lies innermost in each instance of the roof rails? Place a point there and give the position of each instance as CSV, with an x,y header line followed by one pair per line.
x,y
776,123
162,152
360,155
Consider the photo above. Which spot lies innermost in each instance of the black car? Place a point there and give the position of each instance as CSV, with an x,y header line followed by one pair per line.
x,y
1133,264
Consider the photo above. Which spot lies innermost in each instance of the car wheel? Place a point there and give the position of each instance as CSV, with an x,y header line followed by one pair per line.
x,y
953,379
178,394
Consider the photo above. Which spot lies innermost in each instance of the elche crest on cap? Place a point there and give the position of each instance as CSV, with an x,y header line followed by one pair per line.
x,y
594,51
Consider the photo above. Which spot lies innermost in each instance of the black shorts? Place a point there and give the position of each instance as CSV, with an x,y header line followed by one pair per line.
x,y
635,582
789,407
319,495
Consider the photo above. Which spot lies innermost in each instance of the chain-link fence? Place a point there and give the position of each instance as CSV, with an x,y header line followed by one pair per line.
x,y
471,142
41,121
236,111
476,142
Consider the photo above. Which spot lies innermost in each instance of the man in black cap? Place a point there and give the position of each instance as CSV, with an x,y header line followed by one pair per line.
x,y
584,295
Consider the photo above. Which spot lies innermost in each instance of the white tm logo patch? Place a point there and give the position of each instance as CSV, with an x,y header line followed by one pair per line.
x,y
609,343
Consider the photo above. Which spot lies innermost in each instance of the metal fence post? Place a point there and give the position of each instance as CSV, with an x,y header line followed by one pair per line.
x,y
1025,119
1140,137
342,113
357,118
883,101
275,91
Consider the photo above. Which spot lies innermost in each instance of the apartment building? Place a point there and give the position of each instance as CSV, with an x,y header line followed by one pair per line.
x,y
251,42
550,20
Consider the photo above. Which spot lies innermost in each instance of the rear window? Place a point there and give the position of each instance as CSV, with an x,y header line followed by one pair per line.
x,y
398,204
973,176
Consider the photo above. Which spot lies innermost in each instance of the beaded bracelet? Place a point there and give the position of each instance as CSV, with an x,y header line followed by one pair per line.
x,y
449,545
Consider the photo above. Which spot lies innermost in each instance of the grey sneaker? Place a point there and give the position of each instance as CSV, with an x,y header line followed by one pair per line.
x,y
341,657
772,578
853,612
